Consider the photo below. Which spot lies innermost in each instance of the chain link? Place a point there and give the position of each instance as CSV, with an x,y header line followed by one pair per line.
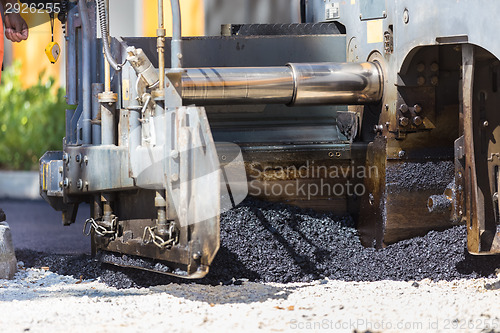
x,y
99,229
149,236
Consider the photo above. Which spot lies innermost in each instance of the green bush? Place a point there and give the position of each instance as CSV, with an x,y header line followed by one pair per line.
x,y
31,119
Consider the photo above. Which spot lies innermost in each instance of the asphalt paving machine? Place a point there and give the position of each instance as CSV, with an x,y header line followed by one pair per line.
x,y
381,109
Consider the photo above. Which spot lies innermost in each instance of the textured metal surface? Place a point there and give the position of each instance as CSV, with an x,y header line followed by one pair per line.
x,y
287,29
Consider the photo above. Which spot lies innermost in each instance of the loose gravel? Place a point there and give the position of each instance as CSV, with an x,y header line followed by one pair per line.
x,y
269,242
43,301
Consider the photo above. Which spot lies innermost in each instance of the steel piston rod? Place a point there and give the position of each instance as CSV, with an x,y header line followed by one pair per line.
x,y
294,84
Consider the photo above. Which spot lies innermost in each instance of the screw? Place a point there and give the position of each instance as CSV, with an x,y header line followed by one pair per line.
x,y
196,255
486,124
434,67
435,81
86,159
65,158
417,108
371,199
66,182
401,153
174,153
175,177
78,158
378,128
421,80
79,184
421,67
406,16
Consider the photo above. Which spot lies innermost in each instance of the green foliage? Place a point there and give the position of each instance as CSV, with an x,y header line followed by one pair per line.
x,y
31,119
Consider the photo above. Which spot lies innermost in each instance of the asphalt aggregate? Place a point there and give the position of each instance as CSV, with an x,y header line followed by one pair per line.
x,y
274,242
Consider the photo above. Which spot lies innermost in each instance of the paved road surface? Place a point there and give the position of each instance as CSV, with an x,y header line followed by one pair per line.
x,y
36,226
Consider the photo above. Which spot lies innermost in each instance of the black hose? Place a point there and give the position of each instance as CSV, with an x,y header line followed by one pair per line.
x,y
303,11
103,20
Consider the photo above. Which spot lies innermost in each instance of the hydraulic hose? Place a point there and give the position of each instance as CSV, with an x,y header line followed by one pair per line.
x,y
103,21
176,52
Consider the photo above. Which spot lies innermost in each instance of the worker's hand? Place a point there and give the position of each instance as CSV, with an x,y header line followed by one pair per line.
x,y
16,28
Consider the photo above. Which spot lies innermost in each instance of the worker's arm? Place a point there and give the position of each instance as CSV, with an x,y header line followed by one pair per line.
x,y
16,28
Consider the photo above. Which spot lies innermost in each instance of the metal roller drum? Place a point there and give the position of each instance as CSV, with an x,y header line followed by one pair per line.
x,y
337,83
235,85
294,84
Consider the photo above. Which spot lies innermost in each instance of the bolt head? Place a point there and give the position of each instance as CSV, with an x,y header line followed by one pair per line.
x,y
401,153
417,121
403,121
378,128
406,16
417,108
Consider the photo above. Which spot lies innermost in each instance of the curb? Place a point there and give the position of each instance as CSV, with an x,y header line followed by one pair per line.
x,y
19,185
8,260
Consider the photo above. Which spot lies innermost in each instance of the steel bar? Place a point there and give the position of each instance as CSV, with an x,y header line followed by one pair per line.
x,y
97,88
86,80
